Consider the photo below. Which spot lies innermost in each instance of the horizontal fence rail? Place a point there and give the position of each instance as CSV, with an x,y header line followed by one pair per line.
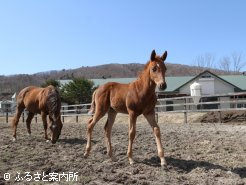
x,y
211,103
185,104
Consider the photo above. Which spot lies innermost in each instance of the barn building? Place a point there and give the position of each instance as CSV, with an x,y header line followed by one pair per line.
x,y
211,85
7,103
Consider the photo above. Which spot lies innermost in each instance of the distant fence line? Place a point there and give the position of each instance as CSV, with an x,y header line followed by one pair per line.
x,y
185,104
210,103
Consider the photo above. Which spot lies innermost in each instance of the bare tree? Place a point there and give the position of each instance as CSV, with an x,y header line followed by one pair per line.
x,y
225,64
204,62
233,64
238,61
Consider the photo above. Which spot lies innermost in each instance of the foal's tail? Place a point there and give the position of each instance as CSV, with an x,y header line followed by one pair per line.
x,y
93,105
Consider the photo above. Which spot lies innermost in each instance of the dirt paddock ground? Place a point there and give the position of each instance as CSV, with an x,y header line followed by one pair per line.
x,y
196,153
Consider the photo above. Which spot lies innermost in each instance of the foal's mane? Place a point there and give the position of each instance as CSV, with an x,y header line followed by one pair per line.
x,y
142,72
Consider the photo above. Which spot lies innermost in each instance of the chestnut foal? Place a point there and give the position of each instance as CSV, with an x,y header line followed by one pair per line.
x,y
134,99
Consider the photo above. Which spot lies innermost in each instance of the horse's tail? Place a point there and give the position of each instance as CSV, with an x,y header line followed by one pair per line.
x,y
20,97
93,104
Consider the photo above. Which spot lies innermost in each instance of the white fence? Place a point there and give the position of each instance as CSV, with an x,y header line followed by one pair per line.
x,y
215,103
74,111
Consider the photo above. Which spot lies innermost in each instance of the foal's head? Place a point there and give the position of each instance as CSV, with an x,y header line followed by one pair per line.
x,y
158,69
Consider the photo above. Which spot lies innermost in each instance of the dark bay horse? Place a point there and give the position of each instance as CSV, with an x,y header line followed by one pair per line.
x,y
135,98
44,101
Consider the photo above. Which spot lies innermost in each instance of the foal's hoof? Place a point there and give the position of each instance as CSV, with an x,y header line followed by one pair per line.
x,y
86,155
47,140
131,161
163,162
165,167
14,139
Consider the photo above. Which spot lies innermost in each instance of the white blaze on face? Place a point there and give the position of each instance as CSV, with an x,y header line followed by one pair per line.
x,y
54,126
161,79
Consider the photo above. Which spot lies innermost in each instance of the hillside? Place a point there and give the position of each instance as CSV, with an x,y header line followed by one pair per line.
x,y
13,83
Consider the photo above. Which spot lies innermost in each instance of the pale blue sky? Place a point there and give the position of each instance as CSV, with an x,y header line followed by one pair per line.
x,y
43,35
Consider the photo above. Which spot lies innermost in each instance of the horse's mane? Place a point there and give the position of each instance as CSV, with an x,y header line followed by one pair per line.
x,y
53,102
141,73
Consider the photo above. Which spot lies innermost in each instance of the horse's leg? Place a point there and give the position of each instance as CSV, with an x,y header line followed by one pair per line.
x,y
44,119
132,133
96,117
151,120
16,120
108,128
28,122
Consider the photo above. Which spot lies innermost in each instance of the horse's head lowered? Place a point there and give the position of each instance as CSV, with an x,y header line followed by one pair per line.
x,y
54,107
158,69
55,127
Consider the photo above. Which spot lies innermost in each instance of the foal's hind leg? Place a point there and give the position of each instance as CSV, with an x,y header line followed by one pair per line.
x,y
28,122
108,128
97,116
16,120
151,120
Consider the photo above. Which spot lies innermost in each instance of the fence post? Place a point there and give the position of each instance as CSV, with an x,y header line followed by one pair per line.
x,y
77,118
220,116
156,117
185,112
7,115
23,116
63,114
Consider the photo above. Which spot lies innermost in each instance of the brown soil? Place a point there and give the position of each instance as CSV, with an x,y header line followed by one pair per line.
x,y
196,153
226,117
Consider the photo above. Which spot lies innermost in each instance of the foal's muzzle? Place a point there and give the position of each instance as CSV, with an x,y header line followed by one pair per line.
x,y
162,86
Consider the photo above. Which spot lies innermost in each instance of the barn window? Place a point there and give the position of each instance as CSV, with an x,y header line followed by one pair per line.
x,y
206,76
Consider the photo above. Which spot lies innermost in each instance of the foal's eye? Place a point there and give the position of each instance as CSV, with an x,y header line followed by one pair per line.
x,y
154,69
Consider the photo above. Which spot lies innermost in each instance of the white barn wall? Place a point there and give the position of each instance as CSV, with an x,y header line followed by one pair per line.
x,y
220,87
186,89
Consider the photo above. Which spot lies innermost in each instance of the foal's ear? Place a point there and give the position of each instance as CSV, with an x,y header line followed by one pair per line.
x,y
164,56
153,54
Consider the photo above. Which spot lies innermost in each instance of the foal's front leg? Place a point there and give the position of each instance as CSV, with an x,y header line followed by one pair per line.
x,y
132,134
151,120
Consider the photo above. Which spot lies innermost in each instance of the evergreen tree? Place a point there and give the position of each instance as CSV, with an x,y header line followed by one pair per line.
x,y
53,82
77,91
